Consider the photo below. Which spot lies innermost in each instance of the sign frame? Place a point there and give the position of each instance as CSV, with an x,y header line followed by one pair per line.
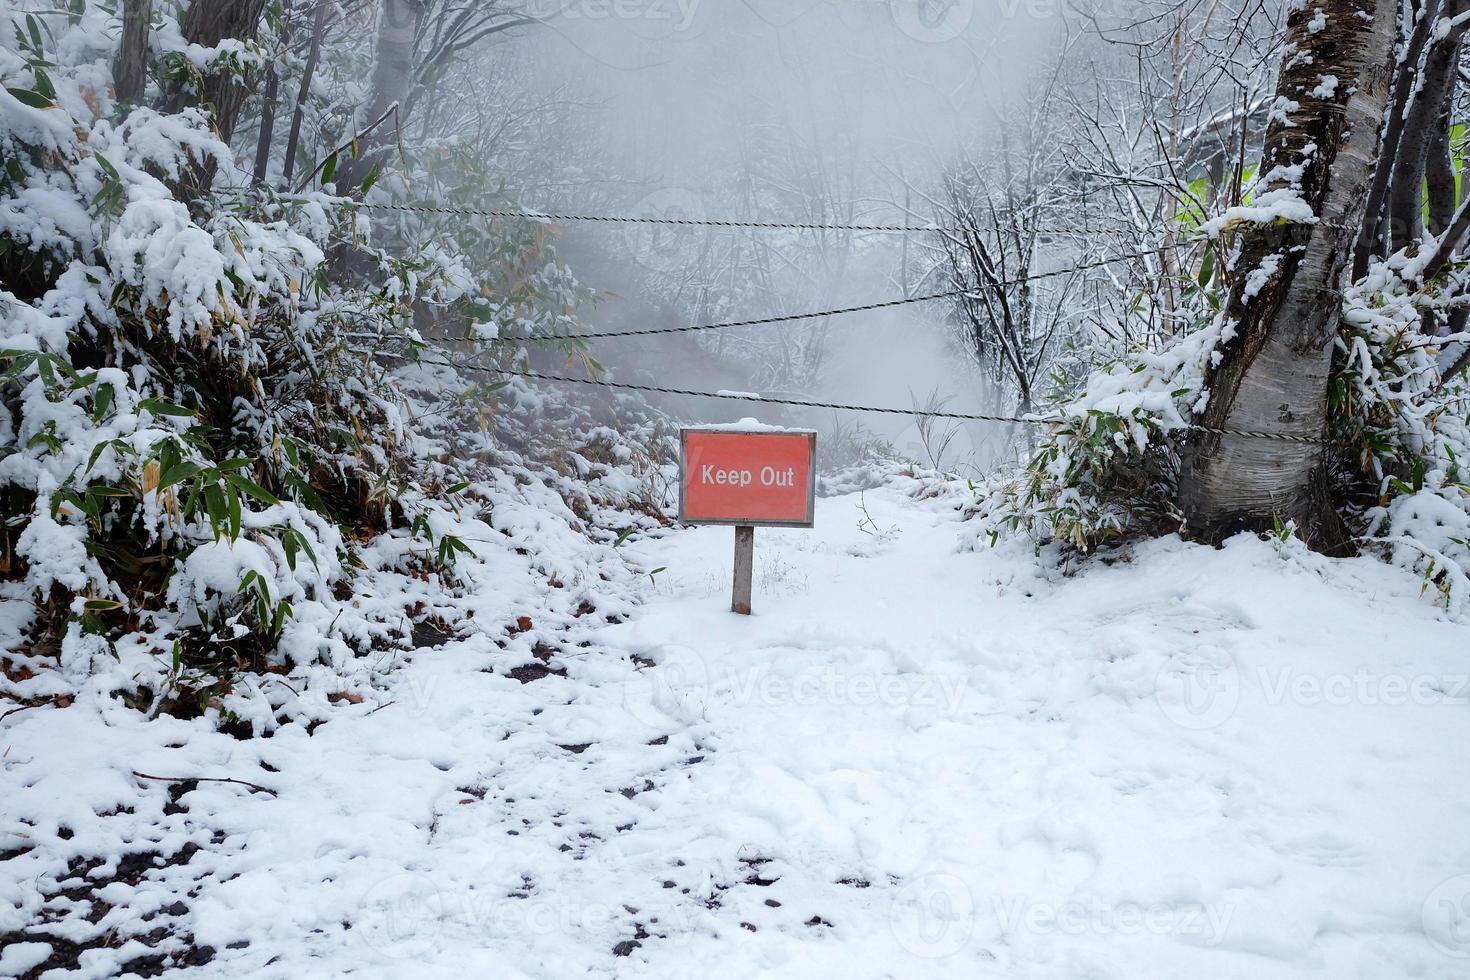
x,y
811,488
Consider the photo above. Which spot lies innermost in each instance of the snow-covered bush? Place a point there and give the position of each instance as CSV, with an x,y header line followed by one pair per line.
x,y
1404,429
1399,438
197,419
1108,466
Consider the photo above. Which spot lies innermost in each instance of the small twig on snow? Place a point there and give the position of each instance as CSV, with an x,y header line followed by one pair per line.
x,y
205,779
22,708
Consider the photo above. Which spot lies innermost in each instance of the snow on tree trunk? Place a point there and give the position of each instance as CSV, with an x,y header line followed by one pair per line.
x,y
1425,139
209,22
1286,299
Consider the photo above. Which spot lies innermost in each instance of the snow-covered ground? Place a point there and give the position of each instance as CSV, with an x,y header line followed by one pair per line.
x,y
912,761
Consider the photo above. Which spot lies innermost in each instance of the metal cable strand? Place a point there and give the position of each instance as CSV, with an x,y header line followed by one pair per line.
x,y
782,318
708,222
884,304
737,396
620,219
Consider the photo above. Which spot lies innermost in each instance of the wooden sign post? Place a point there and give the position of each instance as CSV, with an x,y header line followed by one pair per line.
x,y
747,475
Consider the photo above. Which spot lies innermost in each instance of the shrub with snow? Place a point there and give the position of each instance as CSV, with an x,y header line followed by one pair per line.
x,y
200,424
1400,436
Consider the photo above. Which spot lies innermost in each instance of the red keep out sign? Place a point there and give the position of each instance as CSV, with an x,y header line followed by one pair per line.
x,y
751,477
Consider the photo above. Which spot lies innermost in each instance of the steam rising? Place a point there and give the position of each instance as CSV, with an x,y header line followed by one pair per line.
x,y
776,110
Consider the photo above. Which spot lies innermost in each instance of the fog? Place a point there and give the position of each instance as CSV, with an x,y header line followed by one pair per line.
x,y
777,110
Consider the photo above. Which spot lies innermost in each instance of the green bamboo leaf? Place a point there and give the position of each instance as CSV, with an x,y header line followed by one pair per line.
x,y
102,401
33,99
253,489
236,515
97,452
1207,266
160,407
107,166
178,473
44,88
214,504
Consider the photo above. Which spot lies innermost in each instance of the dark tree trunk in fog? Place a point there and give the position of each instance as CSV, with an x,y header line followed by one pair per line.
x,y
303,95
268,103
1375,236
1273,377
131,71
1423,153
1439,171
393,75
209,22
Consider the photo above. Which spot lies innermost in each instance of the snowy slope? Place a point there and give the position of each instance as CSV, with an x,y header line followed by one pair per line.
x,y
911,762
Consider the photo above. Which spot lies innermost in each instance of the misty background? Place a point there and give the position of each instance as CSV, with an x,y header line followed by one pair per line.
x,y
797,111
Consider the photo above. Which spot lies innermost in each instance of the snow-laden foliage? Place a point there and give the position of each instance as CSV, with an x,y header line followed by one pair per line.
x,y
1108,466
1399,438
1406,428
199,430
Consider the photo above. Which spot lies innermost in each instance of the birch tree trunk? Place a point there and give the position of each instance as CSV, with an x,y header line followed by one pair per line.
x,y
1274,372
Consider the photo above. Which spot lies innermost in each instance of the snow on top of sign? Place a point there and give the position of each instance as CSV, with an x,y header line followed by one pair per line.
x,y
749,425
